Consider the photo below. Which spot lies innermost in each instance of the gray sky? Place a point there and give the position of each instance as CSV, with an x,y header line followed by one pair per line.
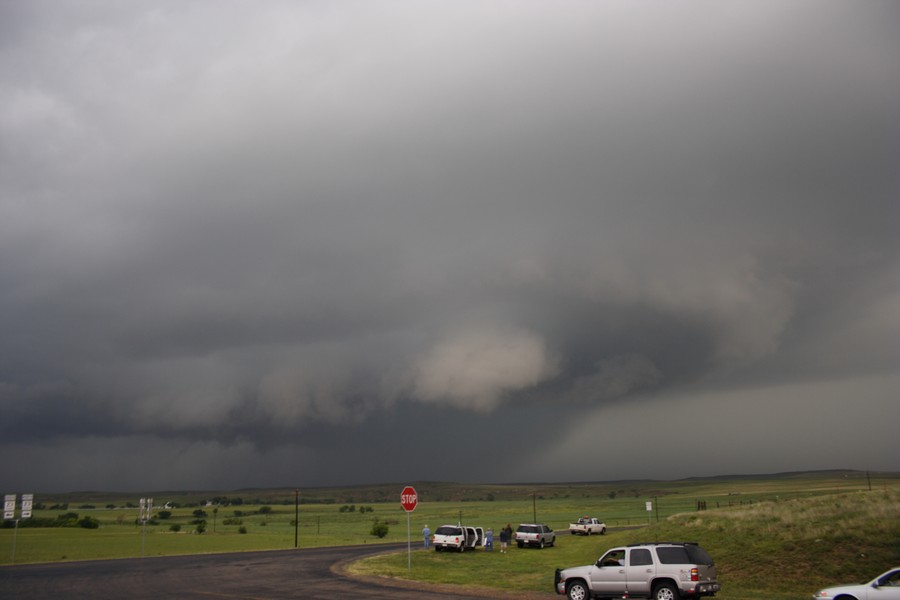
x,y
266,243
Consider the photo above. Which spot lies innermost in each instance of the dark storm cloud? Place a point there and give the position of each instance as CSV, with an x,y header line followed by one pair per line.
x,y
305,237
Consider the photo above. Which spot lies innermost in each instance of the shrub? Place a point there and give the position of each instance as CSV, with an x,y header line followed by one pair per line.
x,y
242,529
175,527
89,523
201,527
379,529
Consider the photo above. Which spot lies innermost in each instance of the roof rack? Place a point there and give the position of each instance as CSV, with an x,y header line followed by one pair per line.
x,y
663,543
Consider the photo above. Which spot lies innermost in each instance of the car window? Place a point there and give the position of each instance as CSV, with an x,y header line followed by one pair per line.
x,y
698,555
639,557
673,555
613,558
448,531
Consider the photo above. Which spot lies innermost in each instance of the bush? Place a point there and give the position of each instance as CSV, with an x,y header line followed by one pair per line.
x,y
201,527
164,514
175,527
89,523
379,529
242,529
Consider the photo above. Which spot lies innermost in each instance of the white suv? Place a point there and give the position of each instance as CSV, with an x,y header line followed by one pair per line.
x,y
532,534
662,571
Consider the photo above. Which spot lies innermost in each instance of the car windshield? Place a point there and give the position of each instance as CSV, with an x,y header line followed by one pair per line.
x,y
447,530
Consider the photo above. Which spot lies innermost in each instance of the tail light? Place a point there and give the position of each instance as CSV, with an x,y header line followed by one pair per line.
x,y
695,574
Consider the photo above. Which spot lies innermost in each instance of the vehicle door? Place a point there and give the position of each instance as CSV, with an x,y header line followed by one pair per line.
x,y
608,575
639,571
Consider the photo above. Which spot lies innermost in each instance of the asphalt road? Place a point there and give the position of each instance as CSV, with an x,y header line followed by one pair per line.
x,y
311,573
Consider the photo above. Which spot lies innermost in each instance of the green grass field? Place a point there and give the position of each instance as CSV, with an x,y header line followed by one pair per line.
x,y
774,549
775,537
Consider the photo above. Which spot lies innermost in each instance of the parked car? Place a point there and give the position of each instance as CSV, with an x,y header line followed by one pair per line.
x,y
587,526
884,587
662,571
457,537
532,534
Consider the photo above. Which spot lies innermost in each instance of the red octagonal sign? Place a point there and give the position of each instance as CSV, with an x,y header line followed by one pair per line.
x,y
409,499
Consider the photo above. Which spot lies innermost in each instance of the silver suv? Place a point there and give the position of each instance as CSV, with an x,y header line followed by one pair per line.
x,y
662,571
532,534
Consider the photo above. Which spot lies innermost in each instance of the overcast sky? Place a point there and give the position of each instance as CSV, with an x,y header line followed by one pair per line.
x,y
288,243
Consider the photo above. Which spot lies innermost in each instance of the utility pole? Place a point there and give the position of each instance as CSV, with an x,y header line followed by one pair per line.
x,y
296,518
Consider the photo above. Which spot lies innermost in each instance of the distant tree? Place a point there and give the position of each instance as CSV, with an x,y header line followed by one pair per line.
x,y
200,513
89,523
164,514
175,527
201,527
265,510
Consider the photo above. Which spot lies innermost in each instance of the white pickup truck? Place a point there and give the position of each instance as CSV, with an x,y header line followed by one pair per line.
x,y
587,526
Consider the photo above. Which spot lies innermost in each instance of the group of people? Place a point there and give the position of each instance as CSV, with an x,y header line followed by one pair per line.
x,y
506,535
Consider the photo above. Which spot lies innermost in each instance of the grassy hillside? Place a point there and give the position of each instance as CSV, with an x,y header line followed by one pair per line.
x,y
777,549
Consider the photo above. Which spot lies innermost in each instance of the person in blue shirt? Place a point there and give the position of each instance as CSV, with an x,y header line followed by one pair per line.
x,y
426,534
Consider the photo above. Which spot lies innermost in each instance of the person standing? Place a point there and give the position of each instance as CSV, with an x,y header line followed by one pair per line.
x,y
426,535
504,540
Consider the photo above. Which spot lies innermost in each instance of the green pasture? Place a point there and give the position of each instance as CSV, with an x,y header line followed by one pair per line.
x,y
776,549
265,519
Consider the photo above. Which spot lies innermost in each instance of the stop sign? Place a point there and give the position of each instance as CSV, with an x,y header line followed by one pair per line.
x,y
409,499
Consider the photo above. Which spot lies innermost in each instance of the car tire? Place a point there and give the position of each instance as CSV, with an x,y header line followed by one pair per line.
x,y
577,590
665,591
541,544
462,548
520,544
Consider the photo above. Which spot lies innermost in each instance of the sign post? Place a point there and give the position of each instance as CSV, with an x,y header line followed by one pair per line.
x,y
146,514
409,500
9,514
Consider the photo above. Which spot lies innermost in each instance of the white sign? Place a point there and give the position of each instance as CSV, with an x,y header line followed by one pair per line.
x,y
9,506
649,506
27,501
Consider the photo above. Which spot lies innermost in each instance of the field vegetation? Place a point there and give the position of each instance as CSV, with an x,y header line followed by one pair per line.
x,y
777,537
775,549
